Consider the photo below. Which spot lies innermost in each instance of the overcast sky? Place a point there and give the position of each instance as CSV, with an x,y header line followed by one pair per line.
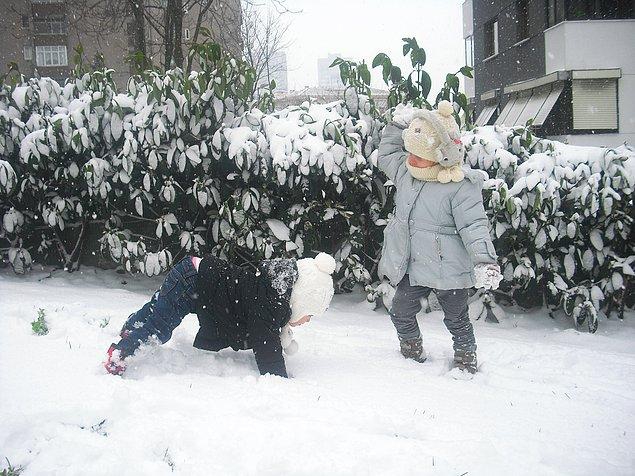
x,y
359,29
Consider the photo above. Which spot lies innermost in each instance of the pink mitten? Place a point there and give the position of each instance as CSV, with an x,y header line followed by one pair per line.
x,y
115,364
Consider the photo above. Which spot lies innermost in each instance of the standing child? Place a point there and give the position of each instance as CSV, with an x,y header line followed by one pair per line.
x,y
236,307
438,239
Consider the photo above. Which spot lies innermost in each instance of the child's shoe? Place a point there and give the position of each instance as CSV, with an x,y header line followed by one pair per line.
x,y
413,349
465,360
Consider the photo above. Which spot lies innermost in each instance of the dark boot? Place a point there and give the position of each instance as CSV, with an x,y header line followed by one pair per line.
x,y
465,360
413,349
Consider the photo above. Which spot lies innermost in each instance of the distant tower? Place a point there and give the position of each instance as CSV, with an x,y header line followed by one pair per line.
x,y
329,78
280,70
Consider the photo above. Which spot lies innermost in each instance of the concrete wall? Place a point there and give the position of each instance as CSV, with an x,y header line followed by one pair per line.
x,y
606,44
13,36
515,61
468,30
109,38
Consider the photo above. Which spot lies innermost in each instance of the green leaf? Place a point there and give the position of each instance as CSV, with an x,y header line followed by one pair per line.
x,y
467,71
395,74
453,81
461,99
344,72
386,71
380,59
425,84
538,200
413,92
364,73
418,57
511,206
412,42
336,62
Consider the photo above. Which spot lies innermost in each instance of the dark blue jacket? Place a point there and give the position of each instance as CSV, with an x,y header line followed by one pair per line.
x,y
245,308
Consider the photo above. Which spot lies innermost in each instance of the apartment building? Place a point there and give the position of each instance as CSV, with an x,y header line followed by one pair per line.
x,y
41,36
565,65
278,71
329,78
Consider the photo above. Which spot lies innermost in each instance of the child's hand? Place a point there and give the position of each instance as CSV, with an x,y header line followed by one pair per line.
x,y
115,364
287,341
488,276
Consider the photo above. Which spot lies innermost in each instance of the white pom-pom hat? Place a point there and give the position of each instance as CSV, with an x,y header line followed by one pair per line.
x,y
313,290
431,132
435,136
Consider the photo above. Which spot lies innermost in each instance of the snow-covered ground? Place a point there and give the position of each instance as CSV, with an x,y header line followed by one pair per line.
x,y
548,400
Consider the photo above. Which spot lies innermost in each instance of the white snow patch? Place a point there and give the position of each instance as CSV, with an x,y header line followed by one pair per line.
x,y
547,399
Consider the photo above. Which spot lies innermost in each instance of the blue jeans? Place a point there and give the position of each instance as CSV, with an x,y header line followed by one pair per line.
x,y
169,305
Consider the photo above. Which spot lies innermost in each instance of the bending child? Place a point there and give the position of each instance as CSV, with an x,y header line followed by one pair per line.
x,y
438,239
236,307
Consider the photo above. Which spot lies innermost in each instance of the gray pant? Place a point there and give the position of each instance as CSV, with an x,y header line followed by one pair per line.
x,y
407,303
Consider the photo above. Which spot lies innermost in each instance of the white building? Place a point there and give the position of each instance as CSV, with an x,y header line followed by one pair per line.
x,y
329,78
566,67
600,58
468,38
280,71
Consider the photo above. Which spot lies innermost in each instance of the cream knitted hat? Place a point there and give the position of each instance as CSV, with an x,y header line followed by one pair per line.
x,y
313,290
434,136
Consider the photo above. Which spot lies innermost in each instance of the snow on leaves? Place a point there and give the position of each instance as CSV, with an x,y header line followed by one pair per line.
x,y
558,207
187,163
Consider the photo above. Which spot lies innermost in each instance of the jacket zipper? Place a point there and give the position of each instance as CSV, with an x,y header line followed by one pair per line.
x,y
436,237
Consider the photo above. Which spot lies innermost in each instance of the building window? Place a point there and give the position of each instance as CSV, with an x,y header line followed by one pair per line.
x,y
27,51
50,26
594,104
186,34
469,51
552,13
51,55
599,10
522,20
491,38
25,21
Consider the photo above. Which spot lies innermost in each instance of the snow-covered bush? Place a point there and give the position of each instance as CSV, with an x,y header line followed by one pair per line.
x,y
562,219
176,165
86,153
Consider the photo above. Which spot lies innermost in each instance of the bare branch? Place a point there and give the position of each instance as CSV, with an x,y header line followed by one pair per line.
x,y
264,38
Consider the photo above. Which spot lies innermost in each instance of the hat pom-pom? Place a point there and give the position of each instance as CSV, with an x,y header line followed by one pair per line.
x,y
325,263
445,108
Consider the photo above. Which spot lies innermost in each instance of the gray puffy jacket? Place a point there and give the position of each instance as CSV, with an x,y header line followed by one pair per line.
x,y
439,232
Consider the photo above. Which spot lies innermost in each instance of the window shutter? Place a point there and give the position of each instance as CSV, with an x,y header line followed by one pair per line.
x,y
594,104
485,115
502,118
